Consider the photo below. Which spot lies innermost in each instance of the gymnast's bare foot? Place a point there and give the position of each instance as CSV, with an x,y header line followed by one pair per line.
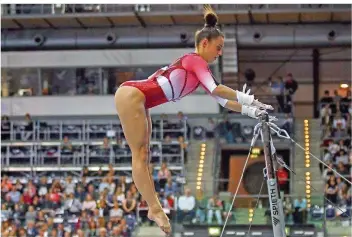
x,y
160,218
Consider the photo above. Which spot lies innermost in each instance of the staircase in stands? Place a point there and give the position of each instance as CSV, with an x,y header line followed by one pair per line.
x,y
299,185
192,166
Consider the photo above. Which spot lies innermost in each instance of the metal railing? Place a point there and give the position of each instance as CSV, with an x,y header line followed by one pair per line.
x,y
54,154
61,9
81,130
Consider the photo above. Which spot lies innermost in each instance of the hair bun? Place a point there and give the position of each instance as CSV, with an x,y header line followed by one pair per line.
x,y
210,17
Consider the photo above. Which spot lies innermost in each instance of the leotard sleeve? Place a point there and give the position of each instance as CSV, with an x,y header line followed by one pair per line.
x,y
200,68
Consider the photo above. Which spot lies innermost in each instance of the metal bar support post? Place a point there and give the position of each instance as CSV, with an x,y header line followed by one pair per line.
x,y
276,207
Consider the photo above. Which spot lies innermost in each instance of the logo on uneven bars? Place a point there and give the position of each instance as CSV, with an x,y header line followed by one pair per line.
x,y
276,221
274,199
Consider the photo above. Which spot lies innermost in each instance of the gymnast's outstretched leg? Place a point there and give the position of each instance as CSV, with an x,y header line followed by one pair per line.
x,y
129,103
149,123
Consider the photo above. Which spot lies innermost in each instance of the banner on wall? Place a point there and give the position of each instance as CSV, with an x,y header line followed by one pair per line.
x,y
98,105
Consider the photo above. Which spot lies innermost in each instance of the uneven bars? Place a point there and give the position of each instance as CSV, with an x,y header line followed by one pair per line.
x,y
276,207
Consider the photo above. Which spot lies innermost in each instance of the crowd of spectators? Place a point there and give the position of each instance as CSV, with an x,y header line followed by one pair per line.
x,y
95,204
335,112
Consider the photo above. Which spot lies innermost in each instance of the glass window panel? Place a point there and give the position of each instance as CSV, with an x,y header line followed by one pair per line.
x,y
88,81
113,77
59,81
22,81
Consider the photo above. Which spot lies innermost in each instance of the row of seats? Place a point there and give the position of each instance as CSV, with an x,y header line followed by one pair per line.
x,y
80,130
84,153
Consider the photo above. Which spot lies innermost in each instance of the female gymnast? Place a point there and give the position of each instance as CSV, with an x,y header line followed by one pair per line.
x,y
133,99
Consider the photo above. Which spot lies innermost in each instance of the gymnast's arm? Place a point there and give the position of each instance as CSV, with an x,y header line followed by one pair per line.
x,y
200,67
250,111
229,104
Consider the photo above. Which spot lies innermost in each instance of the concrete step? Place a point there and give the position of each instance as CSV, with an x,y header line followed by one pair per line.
x,y
149,231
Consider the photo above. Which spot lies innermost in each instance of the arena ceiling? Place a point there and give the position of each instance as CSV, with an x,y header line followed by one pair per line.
x,y
114,15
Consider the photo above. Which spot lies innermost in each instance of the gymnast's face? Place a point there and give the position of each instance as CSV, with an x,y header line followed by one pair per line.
x,y
210,50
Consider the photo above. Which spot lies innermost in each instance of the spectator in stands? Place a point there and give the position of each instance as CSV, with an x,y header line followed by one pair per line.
x,y
92,192
277,86
154,174
342,168
6,184
339,122
163,175
339,183
28,127
162,198
344,195
291,87
31,214
287,205
326,118
343,146
346,103
326,99
123,184
5,212
228,207
129,204
225,131
336,98
5,127
134,192
288,123
89,203
184,120
116,213
201,206
119,195
300,210
15,195
186,206
333,148
111,185
18,185
43,187
331,190
341,157
170,187
69,185
210,128
214,207
72,205
328,172
66,146
31,231
104,184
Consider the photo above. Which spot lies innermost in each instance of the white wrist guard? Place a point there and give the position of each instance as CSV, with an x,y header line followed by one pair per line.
x,y
249,111
244,99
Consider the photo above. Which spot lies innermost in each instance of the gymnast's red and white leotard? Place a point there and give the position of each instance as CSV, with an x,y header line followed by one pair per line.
x,y
176,81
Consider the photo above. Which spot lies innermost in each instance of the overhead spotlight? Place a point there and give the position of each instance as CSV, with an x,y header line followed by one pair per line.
x,y
257,36
331,35
343,86
183,37
38,39
110,37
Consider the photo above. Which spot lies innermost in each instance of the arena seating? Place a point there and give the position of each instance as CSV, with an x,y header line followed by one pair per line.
x,y
335,115
77,143
54,150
